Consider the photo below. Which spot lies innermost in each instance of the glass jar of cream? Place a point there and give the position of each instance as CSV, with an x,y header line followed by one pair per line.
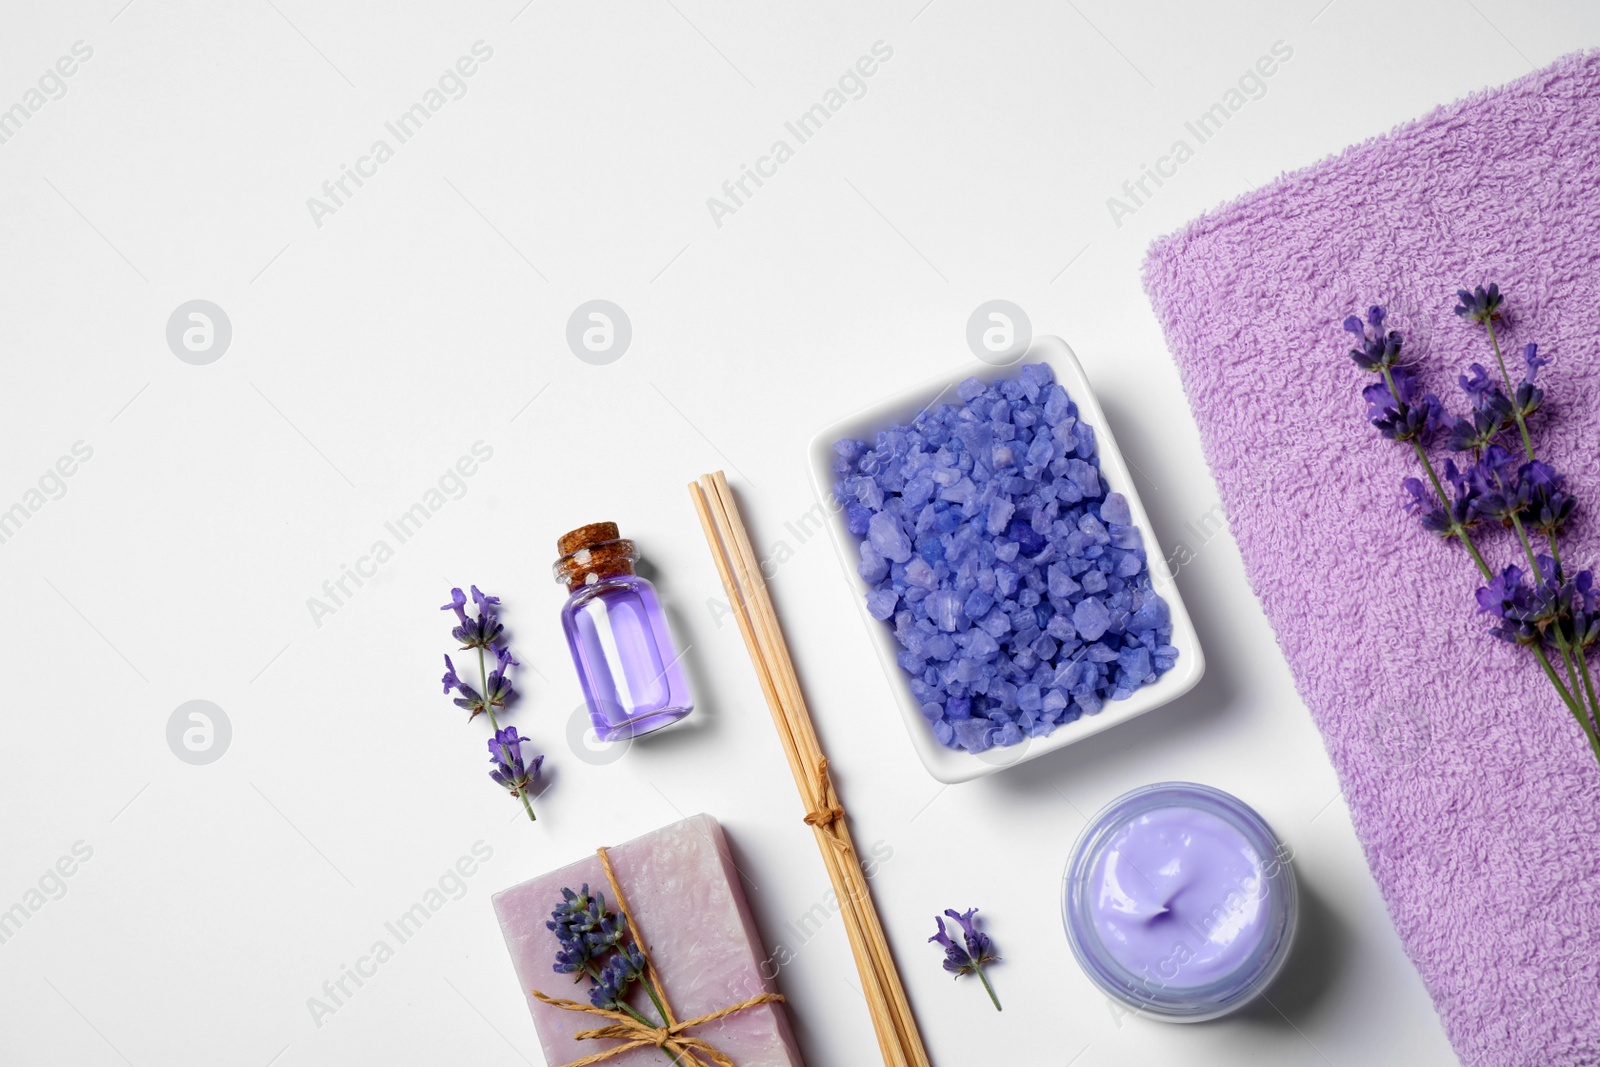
x,y
1179,902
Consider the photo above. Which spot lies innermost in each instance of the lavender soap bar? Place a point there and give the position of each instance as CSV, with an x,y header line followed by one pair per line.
x,y
683,892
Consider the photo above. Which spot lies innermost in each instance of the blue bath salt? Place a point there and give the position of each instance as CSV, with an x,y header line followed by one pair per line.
x,y
1015,582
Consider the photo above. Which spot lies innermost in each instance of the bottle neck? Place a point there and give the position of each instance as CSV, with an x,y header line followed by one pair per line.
x,y
591,564
594,579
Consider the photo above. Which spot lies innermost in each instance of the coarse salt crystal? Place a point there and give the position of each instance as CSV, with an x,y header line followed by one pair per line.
x,y
1017,582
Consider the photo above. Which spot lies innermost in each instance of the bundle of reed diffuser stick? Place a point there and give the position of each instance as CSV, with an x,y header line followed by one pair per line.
x,y
740,570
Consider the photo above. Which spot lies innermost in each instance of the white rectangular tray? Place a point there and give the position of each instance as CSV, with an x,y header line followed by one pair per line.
x,y
956,765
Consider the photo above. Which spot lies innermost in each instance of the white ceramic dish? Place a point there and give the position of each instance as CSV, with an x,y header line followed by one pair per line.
x,y
955,765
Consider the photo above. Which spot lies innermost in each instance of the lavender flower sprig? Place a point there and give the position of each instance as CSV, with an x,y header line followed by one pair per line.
x,y
974,952
1548,613
510,769
484,632
597,944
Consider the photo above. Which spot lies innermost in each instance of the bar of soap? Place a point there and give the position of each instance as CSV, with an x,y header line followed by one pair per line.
x,y
684,894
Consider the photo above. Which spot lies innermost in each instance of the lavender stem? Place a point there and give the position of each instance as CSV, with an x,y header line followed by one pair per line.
x,y
650,989
984,978
1555,680
1505,377
1576,696
594,973
1588,684
483,682
1456,528
1583,720
1438,487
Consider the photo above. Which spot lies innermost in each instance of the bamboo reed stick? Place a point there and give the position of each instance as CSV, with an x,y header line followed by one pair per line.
x,y
782,689
737,565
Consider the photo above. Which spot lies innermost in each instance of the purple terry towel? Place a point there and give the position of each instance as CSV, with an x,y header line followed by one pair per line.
x,y
1472,789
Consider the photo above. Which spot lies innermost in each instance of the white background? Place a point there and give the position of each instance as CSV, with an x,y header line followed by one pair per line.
x,y
424,315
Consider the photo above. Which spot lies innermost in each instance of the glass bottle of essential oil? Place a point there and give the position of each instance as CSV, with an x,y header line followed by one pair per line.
x,y
627,663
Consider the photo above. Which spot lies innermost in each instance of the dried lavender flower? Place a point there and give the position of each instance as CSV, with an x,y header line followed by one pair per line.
x,y
497,690
510,770
1532,361
974,952
585,930
625,967
597,944
1537,608
1494,479
469,699
1583,604
1510,600
1547,503
1485,426
1379,350
1480,305
483,631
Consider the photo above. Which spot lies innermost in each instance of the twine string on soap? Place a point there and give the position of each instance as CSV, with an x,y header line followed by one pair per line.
x,y
634,1034
737,565
638,936
670,1036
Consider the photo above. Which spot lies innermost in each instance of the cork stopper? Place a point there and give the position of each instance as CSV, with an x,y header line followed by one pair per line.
x,y
596,533
592,552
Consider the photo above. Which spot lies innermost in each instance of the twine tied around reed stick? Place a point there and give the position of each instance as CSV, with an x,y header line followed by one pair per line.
x,y
670,1036
828,815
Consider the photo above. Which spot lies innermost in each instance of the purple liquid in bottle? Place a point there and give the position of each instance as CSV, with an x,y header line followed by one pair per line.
x,y
627,663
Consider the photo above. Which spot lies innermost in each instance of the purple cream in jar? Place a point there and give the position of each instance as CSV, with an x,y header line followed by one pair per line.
x,y
1179,902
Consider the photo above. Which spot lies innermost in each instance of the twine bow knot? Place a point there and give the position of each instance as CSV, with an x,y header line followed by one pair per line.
x,y
828,814
634,1034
